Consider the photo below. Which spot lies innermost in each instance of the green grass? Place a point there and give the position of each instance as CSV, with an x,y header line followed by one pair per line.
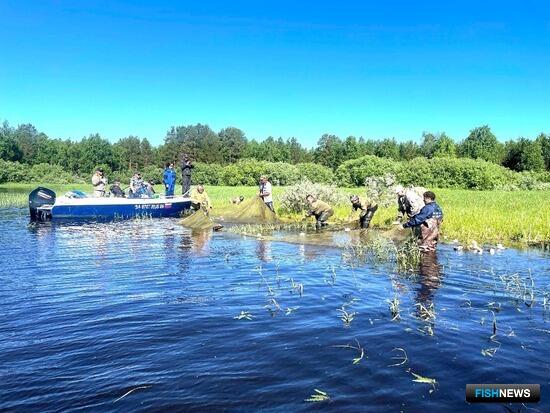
x,y
513,218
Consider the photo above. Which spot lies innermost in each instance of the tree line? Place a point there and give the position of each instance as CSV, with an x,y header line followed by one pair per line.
x,y
27,145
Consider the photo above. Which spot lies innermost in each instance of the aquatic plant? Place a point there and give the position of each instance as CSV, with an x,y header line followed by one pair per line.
x,y
358,348
346,317
297,287
131,391
401,359
244,315
318,396
408,256
421,379
394,308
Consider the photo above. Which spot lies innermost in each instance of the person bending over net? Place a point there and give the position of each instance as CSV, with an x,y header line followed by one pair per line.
x,y
200,199
367,208
321,210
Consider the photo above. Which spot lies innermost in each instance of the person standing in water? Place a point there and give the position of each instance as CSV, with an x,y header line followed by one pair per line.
x,y
169,179
367,208
429,220
266,192
186,171
321,210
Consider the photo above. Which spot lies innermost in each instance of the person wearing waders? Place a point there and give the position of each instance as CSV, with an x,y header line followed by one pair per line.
x,y
169,179
367,208
429,220
186,171
265,192
321,210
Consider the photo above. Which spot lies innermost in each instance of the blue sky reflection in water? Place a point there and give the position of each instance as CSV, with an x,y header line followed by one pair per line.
x,y
92,311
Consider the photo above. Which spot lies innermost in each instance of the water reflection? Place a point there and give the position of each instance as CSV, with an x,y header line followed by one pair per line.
x,y
430,277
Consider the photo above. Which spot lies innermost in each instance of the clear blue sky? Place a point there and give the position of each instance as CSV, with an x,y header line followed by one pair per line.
x,y
281,68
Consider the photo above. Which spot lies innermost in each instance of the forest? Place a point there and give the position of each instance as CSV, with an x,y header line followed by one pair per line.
x,y
29,155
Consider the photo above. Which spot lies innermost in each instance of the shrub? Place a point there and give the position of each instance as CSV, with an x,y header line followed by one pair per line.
x,y
381,189
315,173
13,172
247,172
50,174
122,176
294,197
281,173
153,173
206,174
355,171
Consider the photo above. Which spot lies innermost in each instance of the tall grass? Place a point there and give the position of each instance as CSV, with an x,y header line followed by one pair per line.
x,y
519,217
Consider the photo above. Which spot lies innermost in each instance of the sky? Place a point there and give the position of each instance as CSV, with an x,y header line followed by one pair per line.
x,y
276,68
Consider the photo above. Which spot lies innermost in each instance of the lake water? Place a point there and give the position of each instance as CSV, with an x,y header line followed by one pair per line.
x,y
91,312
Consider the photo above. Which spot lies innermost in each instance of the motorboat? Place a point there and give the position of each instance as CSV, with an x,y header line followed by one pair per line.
x,y
44,205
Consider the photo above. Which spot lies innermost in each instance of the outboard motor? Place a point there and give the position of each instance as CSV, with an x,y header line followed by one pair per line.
x,y
39,200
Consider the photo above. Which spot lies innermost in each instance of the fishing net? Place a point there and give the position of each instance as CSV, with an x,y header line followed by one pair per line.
x,y
253,210
198,220
398,233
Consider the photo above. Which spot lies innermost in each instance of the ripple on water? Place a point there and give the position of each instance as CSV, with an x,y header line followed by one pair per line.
x,y
92,311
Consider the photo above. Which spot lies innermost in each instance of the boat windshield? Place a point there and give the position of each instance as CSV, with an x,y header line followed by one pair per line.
x,y
76,194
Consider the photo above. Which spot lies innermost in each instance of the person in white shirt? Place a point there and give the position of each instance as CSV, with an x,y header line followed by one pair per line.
x,y
265,192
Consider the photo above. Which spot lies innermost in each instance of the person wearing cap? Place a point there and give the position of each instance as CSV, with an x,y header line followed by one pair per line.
x,y
321,210
200,199
99,181
186,171
116,190
367,207
169,179
429,220
409,203
265,192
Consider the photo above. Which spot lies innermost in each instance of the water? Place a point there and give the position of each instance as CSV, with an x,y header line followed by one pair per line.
x,y
93,311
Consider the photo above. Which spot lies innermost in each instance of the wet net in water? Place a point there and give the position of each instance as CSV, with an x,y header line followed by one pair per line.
x,y
252,211
198,220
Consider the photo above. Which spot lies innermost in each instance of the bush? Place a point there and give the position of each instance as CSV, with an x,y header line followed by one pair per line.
x,y
247,172
206,174
51,174
294,197
381,189
315,173
355,171
13,172
152,173
281,173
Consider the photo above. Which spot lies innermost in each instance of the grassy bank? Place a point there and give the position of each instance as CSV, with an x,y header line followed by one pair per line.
x,y
520,217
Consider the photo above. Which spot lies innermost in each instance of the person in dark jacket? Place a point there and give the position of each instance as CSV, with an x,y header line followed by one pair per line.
x,y
169,179
186,171
116,191
429,220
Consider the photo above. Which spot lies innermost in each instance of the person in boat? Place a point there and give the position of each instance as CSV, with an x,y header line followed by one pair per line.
x,y
137,186
116,190
266,192
200,199
186,171
150,188
429,220
99,181
321,210
169,179
367,207
409,202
